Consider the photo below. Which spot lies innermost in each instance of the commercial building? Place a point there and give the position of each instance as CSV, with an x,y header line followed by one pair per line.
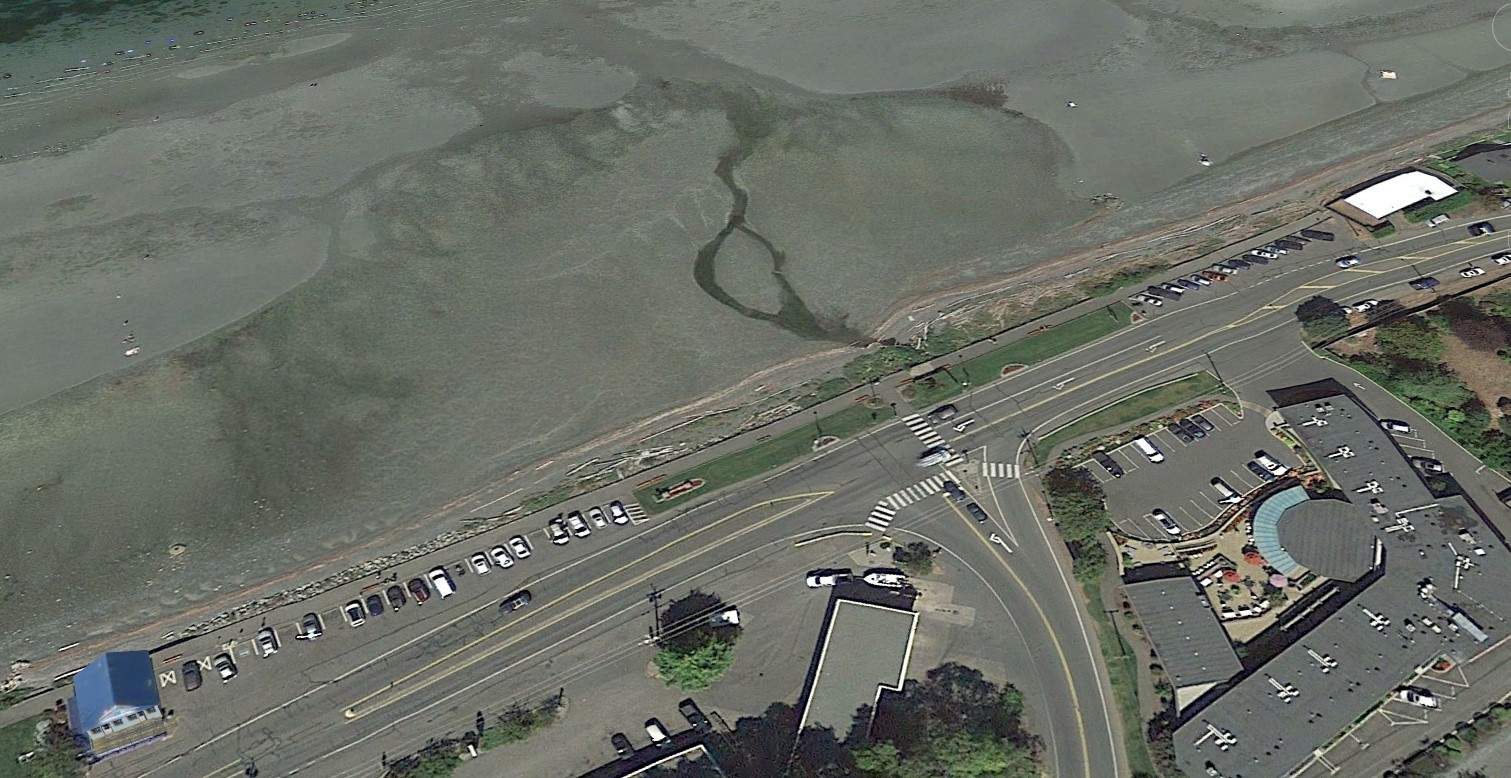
x,y
1373,202
1192,645
1412,577
115,704
1490,161
864,651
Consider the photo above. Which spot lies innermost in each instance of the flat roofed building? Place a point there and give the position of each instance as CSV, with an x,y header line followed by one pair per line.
x,y
1395,193
1339,656
864,650
115,703
1190,642
1489,161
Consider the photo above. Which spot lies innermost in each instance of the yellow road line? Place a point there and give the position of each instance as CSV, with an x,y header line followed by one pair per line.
x,y
1075,702
394,693
831,535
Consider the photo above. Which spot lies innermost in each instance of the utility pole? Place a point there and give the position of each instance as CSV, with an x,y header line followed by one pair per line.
x,y
655,598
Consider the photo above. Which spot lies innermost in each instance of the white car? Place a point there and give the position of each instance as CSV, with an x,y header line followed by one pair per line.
x,y
1503,258
1397,427
1198,279
355,615
1165,521
818,579
1274,249
500,556
1418,697
558,531
1348,261
1265,254
267,641
618,513
1223,268
1152,300
520,546
595,515
225,667
1172,288
1363,305
1471,272
577,525
1268,463
479,563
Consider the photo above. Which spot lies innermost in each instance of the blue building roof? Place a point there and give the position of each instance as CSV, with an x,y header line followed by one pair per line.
x,y
1266,529
117,680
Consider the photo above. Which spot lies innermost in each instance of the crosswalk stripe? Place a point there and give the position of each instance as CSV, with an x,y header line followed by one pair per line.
x,y
923,431
999,470
881,517
634,511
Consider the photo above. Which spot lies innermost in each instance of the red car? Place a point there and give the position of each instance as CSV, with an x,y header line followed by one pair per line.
x,y
420,591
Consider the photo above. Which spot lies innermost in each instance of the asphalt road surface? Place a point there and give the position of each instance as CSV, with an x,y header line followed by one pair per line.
x,y
338,705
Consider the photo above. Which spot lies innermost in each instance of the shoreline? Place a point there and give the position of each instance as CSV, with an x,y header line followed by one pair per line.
x,y
248,601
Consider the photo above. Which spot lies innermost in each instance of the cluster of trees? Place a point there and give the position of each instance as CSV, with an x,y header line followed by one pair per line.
x,y
952,724
1080,509
694,652
916,558
443,755
1410,365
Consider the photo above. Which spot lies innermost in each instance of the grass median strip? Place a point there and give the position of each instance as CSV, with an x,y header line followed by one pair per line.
x,y
765,456
1131,409
978,371
1122,676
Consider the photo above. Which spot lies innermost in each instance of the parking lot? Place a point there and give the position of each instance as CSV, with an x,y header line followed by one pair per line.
x,y
1181,485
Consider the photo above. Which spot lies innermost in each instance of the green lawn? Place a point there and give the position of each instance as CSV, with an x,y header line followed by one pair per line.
x,y
15,740
1448,204
978,371
1131,409
1122,675
766,456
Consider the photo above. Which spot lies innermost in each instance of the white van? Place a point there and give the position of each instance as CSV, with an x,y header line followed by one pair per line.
x,y
1146,447
937,455
442,582
1228,495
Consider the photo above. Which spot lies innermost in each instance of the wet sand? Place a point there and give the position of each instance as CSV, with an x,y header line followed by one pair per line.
x,y
373,263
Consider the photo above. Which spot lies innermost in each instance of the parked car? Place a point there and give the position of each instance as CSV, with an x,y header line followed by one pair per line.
x,y
520,546
515,601
225,667
1186,283
1257,469
1441,218
595,515
1397,427
479,563
1262,254
1503,258
500,556
622,745
1269,463
1431,466
1213,275
267,642
943,413
1230,496
821,578
617,513
1423,283
954,491
1193,428
557,530
657,733
1108,463
577,525
1348,261
976,512
1481,228
1201,280
695,717
1418,697
1175,429
1201,421
1152,300
192,677
1167,523
1238,263
396,598
1289,244
374,605
1471,272
1318,234
310,627
1222,267
1361,306
1258,259
441,580
355,616
1173,288
420,591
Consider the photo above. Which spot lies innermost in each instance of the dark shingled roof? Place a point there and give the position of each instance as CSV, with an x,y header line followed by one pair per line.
x,y
1329,537
1178,619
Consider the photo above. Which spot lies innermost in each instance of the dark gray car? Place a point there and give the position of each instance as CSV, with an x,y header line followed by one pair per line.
x,y
1193,428
954,491
1175,429
976,513
1108,463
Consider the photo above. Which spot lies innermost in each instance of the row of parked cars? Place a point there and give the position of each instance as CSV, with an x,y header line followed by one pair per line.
x,y
660,738
1173,290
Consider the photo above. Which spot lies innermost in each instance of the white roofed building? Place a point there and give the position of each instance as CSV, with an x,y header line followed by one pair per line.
x,y
1372,203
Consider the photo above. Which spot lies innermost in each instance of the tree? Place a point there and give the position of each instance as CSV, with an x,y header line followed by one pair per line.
x,y
953,723
695,668
1079,506
1321,318
1411,338
915,558
685,622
